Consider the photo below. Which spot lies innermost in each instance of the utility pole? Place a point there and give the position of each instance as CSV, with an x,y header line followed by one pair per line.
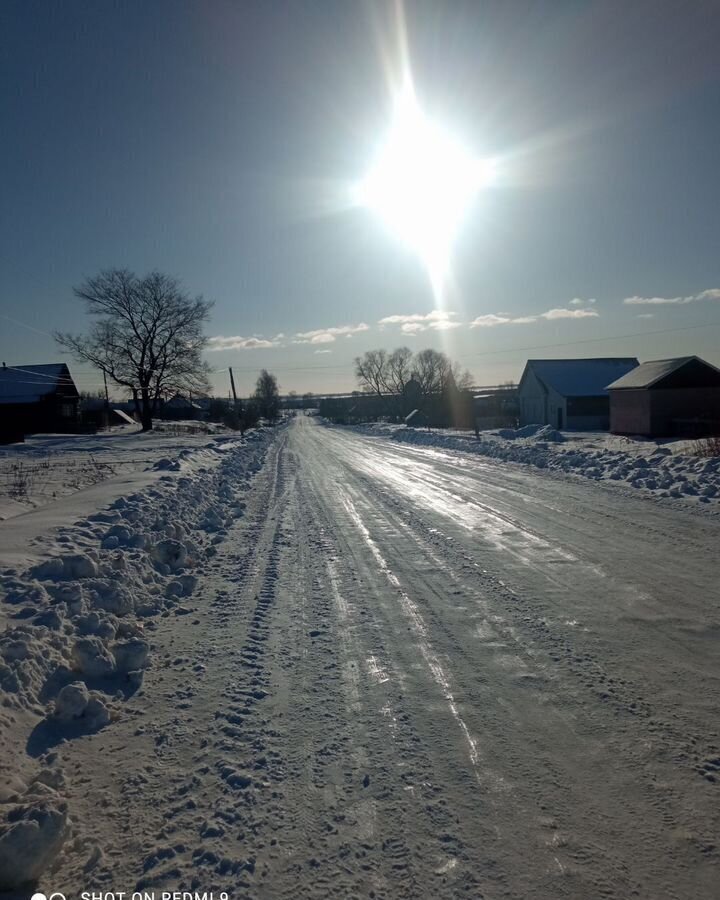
x,y
232,385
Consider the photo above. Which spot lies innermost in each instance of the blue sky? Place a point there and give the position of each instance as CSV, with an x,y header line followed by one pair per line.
x,y
213,139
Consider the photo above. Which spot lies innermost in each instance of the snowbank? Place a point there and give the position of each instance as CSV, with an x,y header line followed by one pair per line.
x,y
645,465
75,642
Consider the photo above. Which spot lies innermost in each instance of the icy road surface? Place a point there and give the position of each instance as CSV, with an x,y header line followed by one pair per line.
x,y
415,674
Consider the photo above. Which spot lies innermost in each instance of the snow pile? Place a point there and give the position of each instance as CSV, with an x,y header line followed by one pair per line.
x,y
655,470
47,468
76,620
31,837
532,432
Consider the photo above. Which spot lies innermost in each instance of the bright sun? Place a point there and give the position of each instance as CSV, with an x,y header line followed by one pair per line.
x,y
421,185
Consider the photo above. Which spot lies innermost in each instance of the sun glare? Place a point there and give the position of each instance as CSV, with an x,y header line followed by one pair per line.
x,y
421,185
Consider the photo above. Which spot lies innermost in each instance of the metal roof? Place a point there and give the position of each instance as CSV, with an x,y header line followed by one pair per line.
x,y
580,377
177,401
29,384
649,373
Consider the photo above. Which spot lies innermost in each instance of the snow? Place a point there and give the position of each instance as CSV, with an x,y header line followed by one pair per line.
x,y
76,605
51,480
30,841
317,662
660,470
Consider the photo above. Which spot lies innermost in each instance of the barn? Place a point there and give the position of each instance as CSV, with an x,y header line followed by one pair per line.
x,y
37,398
667,397
570,393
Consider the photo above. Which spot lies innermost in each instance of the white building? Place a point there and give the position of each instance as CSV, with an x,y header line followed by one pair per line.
x,y
570,393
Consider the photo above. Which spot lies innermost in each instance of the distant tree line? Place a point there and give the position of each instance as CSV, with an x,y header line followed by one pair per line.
x,y
243,414
397,383
382,373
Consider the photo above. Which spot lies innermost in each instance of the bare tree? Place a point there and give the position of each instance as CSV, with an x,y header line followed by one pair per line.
x,y
431,369
371,371
399,369
388,375
463,377
267,395
147,336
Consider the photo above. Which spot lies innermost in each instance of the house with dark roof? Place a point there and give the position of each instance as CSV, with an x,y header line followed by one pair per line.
x,y
37,398
570,393
180,408
667,397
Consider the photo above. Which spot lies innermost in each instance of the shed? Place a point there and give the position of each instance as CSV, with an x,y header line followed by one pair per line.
x,y
666,397
180,408
570,393
98,412
37,398
417,419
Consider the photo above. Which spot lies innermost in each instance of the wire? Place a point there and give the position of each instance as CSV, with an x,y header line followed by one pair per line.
x,y
24,325
508,350
64,379
617,337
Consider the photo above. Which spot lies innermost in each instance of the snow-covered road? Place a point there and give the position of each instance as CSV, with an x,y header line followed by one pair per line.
x,y
412,673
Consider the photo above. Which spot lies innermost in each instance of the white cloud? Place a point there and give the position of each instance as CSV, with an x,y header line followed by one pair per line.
x,y
323,351
414,323
578,301
655,301
490,321
444,325
569,314
328,335
710,294
434,316
493,319
238,342
412,327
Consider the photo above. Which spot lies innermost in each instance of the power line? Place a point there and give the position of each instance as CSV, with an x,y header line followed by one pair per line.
x,y
63,379
507,350
24,325
617,337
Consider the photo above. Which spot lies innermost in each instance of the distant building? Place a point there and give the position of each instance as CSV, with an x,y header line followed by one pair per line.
x,y
417,419
496,407
37,399
667,397
570,393
95,412
179,408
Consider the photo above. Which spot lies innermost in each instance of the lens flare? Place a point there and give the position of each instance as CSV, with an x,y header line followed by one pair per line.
x,y
422,184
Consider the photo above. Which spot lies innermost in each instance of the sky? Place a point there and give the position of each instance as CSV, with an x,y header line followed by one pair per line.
x,y
223,142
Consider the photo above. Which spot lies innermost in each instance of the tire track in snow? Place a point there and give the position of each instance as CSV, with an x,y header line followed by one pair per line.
x,y
413,614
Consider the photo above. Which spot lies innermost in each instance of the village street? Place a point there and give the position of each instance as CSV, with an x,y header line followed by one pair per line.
x,y
413,673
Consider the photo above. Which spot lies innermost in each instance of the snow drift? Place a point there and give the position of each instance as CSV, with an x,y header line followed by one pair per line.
x,y
76,639
660,472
